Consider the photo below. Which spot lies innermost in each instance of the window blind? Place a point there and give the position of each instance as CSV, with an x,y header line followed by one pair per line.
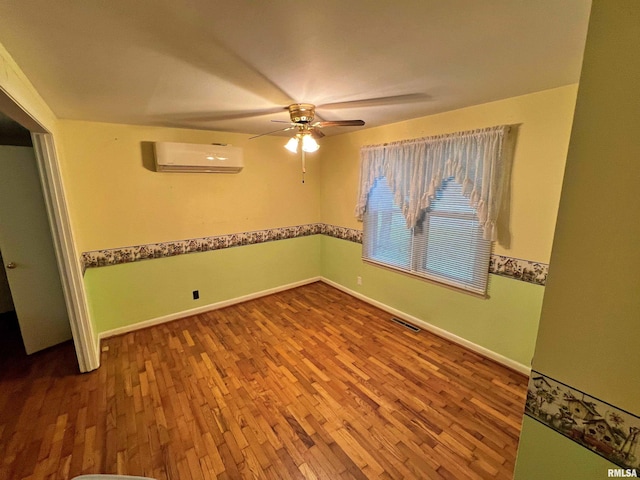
x,y
446,245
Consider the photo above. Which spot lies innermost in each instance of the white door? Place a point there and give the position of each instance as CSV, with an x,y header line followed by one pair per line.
x,y
27,250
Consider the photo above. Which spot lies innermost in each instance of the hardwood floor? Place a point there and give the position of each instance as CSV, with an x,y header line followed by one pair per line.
x,y
307,383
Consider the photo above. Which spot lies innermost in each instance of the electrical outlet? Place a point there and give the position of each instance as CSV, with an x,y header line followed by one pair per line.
x,y
196,294
359,280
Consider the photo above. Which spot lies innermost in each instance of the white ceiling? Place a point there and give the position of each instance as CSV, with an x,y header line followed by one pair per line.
x,y
232,65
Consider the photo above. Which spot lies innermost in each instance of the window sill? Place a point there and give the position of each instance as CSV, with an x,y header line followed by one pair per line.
x,y
483,296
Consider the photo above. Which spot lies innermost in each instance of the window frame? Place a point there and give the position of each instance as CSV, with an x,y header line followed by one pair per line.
x,y
417,257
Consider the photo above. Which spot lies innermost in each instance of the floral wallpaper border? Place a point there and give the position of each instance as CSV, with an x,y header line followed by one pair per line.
x,y
603,428
519,269
532,272
116,256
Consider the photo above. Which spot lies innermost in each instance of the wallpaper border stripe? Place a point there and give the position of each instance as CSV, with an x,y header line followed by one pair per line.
x,y
578,416
516,268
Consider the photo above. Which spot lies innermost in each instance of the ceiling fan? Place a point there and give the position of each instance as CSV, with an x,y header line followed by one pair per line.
x,y
302,120
302,115
307,131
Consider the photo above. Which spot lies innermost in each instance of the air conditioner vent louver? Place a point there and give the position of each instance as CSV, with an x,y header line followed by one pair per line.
x,y
191,157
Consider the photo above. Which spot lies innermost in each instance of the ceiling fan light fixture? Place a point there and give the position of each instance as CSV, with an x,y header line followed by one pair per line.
x,y
309,143
292,144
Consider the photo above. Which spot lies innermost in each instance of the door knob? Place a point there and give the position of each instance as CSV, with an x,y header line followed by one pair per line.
x,y
11,265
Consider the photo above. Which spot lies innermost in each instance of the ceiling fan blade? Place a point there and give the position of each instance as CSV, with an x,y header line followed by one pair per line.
x,y
316,133
282,121
230,115
379,101
339,123
275,131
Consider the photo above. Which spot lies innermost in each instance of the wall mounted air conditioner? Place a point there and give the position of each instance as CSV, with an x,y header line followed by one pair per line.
x,y
192,157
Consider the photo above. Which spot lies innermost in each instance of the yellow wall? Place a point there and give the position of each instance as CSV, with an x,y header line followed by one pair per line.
x,y
591,308
590,324
544,121
117,200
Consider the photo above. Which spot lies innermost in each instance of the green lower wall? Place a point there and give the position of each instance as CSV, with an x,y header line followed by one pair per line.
x,y
505,323
544,453
126,294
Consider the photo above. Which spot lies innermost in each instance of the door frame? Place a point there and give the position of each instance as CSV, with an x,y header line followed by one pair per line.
x,y
86,342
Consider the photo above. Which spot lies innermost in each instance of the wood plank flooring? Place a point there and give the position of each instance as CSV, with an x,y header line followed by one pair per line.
x,y
304,384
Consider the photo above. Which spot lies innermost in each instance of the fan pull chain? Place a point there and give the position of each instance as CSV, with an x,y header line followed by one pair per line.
x,y
304,170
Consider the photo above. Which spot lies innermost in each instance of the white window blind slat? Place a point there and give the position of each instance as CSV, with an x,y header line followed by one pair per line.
x,y
446,245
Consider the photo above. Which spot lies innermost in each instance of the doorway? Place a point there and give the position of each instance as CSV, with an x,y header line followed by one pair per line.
x,y
26,243
43,159
11,343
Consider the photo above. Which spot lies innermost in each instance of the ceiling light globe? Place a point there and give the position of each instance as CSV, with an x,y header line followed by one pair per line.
x,y
292,145
309,144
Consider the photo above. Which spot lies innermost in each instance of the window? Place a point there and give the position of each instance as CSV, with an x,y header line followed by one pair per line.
x,y
446,245
430,205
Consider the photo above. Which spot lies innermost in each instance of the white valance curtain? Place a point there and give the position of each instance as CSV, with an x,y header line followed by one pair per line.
x,y
415,170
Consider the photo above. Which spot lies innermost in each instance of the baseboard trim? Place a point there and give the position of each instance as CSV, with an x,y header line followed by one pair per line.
x,y
204,308
485,352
